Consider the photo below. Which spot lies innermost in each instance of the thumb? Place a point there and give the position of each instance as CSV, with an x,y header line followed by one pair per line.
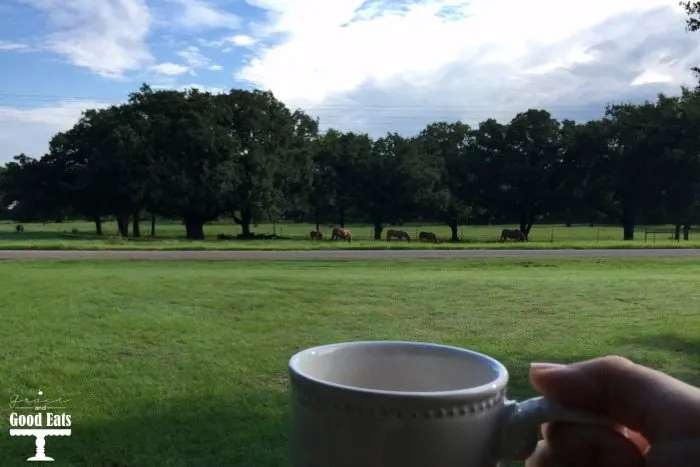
x,y
647,401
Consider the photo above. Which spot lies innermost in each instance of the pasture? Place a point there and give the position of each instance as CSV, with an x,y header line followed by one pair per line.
x,y
170,236
184,363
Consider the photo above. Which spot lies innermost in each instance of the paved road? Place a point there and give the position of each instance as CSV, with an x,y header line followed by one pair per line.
x,y
342,255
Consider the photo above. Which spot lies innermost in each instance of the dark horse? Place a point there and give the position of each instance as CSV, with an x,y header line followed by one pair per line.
x,y
427,237
397,234
315,235
514,234
340,233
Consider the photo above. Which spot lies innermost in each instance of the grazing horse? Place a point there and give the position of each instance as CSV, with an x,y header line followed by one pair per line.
x,y
513,234
315,235
340,233
427,237
397,235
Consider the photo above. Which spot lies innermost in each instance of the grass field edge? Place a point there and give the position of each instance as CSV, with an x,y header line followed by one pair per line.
x,y
298,247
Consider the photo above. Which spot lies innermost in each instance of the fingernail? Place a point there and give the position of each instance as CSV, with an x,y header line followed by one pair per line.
x,y
545,366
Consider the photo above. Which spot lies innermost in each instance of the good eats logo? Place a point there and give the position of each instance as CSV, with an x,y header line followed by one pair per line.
x,y
49,418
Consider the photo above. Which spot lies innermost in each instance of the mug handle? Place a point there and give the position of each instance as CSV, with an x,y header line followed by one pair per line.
x,y
522,421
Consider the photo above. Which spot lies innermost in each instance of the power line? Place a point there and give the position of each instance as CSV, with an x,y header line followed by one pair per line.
x,y
5,96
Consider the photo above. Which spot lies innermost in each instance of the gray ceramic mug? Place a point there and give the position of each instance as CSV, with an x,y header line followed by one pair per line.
x,y
410,404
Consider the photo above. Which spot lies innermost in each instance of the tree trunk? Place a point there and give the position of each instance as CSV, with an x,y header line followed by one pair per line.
x,y
378,230
453,228
342,217
135,225
194,228
123,224
686,231
98,225
628,230
246,219
526,222
628,215
317,218
677,232
153,224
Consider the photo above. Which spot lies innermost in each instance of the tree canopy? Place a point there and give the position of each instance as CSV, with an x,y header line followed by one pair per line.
x,y
244,155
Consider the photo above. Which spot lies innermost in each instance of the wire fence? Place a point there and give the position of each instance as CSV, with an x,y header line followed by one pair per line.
x,y
544,233
488,234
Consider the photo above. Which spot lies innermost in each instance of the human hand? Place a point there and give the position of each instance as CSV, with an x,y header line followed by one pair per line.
x,y
658,416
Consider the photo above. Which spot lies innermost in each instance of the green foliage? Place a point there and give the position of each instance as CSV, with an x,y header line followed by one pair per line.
x,y
245,155
692,9
448,146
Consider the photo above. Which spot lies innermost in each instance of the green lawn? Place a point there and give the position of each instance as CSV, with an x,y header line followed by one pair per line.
x,y
169,236
184,364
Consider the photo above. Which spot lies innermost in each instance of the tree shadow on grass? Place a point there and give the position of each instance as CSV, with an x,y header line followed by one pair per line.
x,y
45,235
668,342
246,429
684,350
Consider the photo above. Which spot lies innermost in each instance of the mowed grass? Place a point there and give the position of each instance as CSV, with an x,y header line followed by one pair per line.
x,y
170,236
184,363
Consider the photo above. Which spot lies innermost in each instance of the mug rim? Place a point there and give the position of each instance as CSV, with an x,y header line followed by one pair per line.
x,y
497,384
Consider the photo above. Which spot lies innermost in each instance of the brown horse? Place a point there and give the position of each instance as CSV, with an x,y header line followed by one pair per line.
x,y
427,237
340,233
397,235
513,234
315,235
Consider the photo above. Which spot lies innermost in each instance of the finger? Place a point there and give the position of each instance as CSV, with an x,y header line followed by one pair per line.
x,y
543,457
589,445
647,401
684,453
635,438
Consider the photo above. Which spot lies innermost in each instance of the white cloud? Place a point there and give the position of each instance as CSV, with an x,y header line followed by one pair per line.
x,y
203,88
107,37
170,69
238,40
197,14
7,46
29,130
241,40
194,57
651,77
381,66
183,87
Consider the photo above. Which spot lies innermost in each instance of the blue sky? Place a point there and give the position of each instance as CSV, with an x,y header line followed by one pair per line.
x,y
372,66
